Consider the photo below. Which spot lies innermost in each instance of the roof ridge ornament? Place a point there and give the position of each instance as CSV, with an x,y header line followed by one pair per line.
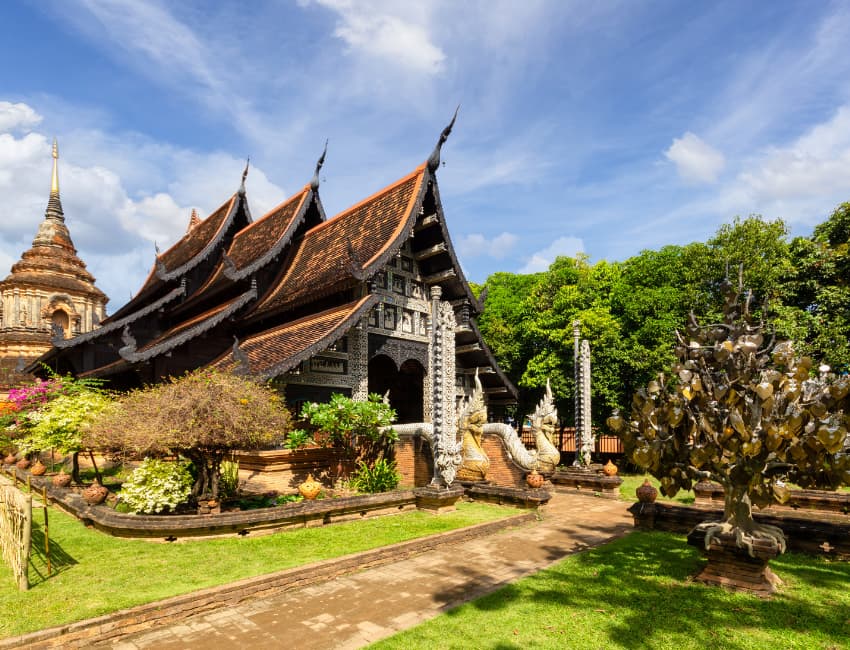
x,y
434,158
54,203
194,220
244,176
314,182
243,362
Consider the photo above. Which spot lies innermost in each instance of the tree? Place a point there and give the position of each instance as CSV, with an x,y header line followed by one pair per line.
x,y
59,424
360,429
745,412
203,416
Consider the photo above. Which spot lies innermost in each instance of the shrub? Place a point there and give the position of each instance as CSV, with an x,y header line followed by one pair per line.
x,y
228,479
297,438
156,485
202,416
360,428
382,477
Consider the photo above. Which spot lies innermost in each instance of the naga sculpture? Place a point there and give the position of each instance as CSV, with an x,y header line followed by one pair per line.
x,y
473,417
546,457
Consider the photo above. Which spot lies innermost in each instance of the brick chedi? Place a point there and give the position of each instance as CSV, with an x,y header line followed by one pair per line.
x,y
48,294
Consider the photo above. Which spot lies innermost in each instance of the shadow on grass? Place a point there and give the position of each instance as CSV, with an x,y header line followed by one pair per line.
x,y
60,560
637,592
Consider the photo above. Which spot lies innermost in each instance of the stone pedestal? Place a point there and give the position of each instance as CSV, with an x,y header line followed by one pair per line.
x,y
438,499
588,481
643,515
733,567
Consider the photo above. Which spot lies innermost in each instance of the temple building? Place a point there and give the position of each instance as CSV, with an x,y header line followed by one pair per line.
x,y
316,305
49,294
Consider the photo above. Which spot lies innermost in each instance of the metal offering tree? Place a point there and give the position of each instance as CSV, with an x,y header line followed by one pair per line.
x,y
742,411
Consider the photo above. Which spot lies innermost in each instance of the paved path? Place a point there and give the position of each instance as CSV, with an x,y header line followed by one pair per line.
x,y
355,610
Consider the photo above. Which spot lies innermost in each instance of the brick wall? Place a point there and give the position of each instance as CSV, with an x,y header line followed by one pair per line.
x,y
414,461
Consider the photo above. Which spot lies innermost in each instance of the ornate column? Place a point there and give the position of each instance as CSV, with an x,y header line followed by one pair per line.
x,y
358,359
577,390
586,430
441,367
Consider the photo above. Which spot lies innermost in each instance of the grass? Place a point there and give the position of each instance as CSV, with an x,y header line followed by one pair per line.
x,y
633,481
635,593
94,573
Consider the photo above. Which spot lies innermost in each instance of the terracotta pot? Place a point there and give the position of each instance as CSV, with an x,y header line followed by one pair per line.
x,y
10,459
534,480
23,463
310,488
95,494
61,480
38,468
610,469
646,493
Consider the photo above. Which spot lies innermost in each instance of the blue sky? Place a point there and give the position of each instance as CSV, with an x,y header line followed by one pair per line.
x,y
604,127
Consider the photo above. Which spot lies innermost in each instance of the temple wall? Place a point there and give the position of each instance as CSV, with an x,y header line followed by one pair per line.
x,y
414,462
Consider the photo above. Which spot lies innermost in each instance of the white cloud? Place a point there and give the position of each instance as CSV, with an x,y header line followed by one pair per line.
x,y
561,247
695,160
394,32
476,244
816,164
136,193
17,116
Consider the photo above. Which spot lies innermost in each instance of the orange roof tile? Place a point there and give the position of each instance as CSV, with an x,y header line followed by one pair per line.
x,y
325,258
273,352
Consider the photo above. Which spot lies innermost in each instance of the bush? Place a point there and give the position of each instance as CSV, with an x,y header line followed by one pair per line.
x,y
202,416
382,477
297,438
228,479
156,485
360,428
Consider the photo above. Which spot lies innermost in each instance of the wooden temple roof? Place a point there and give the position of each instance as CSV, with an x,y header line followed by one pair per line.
x,y
349,246
287,285
275,351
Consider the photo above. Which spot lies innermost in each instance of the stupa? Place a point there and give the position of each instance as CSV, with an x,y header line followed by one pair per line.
x,y
49,293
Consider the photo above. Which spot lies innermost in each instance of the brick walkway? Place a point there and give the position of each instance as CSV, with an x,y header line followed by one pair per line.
x,y
358,609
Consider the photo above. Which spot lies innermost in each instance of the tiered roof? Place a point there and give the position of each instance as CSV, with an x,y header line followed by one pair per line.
x,y
285,287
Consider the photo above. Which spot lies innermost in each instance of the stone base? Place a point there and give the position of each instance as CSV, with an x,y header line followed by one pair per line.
x,y
733,567
438,499
588,481
508,496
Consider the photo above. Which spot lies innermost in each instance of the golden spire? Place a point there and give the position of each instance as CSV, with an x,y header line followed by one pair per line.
x,y
54,182
194,220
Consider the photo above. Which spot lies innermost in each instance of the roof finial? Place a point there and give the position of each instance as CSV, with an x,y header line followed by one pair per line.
x,y
194,220
54,204
244,176
314,183
434,158
54,182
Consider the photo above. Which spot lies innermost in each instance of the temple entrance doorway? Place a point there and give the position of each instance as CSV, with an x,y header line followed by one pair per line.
x,y
404,385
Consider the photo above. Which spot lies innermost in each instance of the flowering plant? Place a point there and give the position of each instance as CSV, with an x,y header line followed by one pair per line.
x,y
156,485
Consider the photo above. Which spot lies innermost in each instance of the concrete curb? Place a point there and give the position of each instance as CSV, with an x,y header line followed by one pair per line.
x,y
110,628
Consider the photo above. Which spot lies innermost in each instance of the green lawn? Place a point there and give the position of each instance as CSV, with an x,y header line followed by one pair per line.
x,y
633,481
94,573
635,593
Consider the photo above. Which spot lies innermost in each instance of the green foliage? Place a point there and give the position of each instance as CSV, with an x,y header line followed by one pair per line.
x,y
202,416
360,428
228,480
130,572
156,485
637,592
59,423
631,310
297,438
382,477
